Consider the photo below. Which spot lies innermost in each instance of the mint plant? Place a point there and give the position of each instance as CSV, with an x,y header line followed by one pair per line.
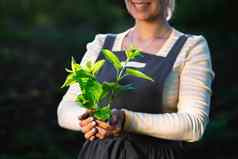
x,y
93,92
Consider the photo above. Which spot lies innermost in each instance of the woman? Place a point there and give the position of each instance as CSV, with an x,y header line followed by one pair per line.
x,y
153,121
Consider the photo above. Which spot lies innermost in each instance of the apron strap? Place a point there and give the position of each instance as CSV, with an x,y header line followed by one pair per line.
x,y
108,44
168,62
171,57
109,41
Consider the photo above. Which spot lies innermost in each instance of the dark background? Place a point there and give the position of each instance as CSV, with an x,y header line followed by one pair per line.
x,y
37,39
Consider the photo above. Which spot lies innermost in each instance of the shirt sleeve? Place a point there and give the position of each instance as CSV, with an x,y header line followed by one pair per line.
x,y
192,116
68,110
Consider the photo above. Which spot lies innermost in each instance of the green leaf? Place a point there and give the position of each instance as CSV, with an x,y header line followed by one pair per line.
x,y
138,74
69,81
85,103
104,93
114,86
88,67
132,53
93,90
110,56
128,87
97,66
74,65
103,113
106,90
82,74
68,70
83,82
123,63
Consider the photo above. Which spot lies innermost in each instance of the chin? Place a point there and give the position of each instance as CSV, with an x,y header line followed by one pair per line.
x,y
142,10
141,17
145,17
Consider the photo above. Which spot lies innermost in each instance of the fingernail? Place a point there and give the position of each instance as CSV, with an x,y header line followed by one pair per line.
x,y
93,123
91,118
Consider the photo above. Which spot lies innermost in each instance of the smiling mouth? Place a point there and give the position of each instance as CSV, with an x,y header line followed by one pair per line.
x,y
140,4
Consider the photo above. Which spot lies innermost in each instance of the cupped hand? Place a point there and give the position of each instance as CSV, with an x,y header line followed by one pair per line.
x,y
106,130
88,125
113,127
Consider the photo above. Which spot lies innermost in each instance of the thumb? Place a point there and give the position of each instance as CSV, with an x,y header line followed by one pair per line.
x,y
114,118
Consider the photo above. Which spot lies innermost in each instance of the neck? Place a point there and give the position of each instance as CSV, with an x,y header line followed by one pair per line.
x,y
147,30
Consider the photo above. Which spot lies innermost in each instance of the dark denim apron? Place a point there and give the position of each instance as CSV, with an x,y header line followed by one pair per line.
x,y
147,98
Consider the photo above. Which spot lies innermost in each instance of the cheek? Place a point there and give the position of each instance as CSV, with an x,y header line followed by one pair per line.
x,y
128,6
156,9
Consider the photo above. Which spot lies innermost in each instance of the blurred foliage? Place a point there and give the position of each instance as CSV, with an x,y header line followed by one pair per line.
x,y
37,37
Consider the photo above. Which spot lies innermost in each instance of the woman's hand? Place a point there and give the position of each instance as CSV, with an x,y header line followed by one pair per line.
x,y
88,126
98,129
113,127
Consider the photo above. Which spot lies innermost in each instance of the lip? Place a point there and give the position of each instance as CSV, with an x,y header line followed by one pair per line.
x,y
140,3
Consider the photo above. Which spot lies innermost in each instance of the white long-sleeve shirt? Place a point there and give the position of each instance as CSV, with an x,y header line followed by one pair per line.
x,y
186,96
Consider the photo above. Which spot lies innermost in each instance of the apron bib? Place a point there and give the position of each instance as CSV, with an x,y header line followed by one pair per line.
x,y
147,98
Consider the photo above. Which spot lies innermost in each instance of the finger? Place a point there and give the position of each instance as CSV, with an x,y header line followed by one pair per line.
x,y
90,133
86,121
116,132
103,125
102,133
99,136
88,127
92,138
84,116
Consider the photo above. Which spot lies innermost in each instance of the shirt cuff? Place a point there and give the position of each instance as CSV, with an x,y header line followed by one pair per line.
x,y
128,123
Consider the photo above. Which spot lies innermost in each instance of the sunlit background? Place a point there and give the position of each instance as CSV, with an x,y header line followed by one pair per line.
x,y
37,39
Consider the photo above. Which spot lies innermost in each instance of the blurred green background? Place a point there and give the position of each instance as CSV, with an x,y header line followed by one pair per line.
x,y
37,39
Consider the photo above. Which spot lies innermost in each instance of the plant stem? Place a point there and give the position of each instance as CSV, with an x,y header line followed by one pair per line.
x,y
120,76
111,98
